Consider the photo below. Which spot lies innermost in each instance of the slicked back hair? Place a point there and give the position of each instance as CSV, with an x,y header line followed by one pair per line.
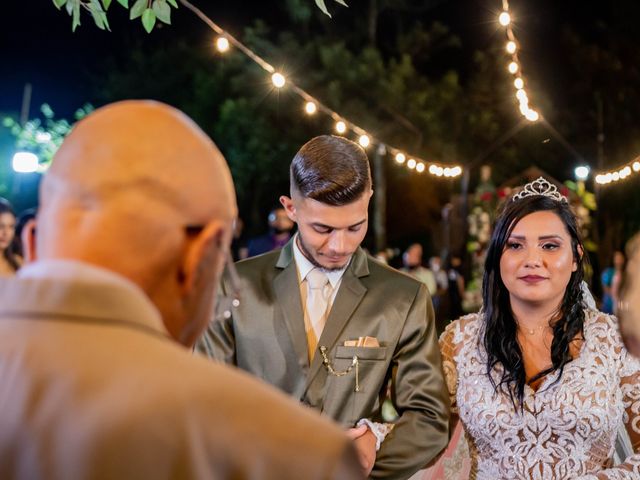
x,y
331,170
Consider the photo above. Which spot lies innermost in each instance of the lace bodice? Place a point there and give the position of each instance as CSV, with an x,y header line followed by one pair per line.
x,y
566,430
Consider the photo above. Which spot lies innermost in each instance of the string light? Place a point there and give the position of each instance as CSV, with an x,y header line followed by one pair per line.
x,y
225,40
310,108
278,80
514,66
222,44
620,173
420,167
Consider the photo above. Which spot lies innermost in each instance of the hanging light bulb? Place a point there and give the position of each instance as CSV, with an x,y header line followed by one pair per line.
x,y
222,44
420,167
364,141
278,80
636,166
511,47
504,19
532,115
513,67
518,83
411,163
310,108
341,127
400,158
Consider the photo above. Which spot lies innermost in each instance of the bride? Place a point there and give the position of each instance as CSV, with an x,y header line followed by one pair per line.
x,y
539,380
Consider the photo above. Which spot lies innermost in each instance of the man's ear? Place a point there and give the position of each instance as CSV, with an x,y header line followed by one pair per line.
x,y
289,207
204,255
28,238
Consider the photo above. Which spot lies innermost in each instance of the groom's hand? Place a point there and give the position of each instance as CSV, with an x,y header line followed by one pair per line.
x,y
365,442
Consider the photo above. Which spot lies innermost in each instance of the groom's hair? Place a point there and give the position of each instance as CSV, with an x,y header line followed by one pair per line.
x,y
331,170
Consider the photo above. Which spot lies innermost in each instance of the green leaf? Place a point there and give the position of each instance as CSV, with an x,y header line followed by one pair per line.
x,y
59,3
138,8
148,20
70,6
76,16
163,11
173,3
124,3
323,7
342,2
107,3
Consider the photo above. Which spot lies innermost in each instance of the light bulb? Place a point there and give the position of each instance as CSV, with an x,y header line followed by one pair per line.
x,y
511,47
222,44
278,80
310,108
400,158
636,166
513,67
341,127
364,141
518,83
420,167
532,116
504,19
411,163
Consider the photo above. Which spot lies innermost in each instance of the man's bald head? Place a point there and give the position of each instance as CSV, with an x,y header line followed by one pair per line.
x,y
124,187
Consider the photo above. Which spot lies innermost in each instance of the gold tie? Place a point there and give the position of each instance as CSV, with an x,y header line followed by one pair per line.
x,y
317,306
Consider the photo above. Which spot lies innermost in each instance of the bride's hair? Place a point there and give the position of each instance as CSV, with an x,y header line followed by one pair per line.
x,y
500,330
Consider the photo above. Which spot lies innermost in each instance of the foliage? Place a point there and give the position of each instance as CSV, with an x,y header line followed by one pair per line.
x,y
149,11
43,137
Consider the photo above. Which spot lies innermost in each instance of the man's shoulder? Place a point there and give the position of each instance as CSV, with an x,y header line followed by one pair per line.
x,y
264,261
381,272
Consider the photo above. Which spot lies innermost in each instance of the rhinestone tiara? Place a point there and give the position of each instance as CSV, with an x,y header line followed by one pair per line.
x,y
540,187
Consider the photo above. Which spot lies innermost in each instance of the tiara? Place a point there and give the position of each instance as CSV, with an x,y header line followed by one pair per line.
x,y
540,187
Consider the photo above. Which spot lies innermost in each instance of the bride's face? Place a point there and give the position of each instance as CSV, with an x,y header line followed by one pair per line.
x,y
537,260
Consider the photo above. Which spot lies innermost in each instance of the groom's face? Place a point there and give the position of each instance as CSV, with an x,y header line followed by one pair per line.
x,y
328,234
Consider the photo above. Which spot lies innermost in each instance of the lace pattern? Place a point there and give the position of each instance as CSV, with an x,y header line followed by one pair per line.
x,y
566,430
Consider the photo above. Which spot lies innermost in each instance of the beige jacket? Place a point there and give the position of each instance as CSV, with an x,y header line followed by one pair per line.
x,y
92,388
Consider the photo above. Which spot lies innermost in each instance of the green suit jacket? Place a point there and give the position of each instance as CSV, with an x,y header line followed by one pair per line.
x,y
266,336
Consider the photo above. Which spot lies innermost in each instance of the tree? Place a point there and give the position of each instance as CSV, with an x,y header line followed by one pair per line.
x,y
149,11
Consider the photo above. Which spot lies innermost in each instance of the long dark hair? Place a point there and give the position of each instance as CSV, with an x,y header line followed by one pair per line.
x,y
10,253
500,332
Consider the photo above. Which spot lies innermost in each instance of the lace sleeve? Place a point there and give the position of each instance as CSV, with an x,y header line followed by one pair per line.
x,y
629,372
450,343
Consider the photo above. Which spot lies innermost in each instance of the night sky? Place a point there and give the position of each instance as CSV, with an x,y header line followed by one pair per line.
x,y
37,45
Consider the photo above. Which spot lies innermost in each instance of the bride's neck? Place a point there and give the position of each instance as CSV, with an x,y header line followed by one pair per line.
x,y
534,314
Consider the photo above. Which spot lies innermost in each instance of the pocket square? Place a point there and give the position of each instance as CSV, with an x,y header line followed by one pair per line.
x,y
362,342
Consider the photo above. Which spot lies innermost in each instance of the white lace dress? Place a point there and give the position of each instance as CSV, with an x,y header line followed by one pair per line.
x,y
567,430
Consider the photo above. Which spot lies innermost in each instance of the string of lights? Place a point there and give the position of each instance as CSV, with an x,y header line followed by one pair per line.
x,y
613,176
515,67
225,41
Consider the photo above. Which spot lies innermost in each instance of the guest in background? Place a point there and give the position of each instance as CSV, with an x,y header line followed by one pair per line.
x,y
280,227
10,261
412,261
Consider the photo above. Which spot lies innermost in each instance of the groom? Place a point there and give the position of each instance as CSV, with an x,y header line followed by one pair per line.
x,y
331,327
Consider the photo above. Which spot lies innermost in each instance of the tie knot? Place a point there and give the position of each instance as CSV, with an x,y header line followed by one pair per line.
x,y
317,279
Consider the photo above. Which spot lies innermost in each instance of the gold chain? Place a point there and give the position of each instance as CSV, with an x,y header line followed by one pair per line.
x,y
332,371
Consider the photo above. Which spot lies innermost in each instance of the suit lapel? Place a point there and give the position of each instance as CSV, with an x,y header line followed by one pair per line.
x,y
287,291
347,300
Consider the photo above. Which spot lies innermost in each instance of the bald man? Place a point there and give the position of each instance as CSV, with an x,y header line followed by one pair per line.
x,y
97,380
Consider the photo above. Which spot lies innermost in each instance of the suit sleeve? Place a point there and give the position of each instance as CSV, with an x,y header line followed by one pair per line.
x,y
419,394
218,340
